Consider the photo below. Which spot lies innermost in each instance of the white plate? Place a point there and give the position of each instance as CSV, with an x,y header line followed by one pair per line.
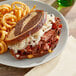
x,y
8,59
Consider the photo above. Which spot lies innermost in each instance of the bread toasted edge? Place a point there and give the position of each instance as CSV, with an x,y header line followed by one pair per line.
x,y
23,35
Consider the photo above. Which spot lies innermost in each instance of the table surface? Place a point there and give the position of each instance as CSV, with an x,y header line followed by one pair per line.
x,y
70,15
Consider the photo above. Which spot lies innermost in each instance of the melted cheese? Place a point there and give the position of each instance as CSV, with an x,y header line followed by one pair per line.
x,y
35,38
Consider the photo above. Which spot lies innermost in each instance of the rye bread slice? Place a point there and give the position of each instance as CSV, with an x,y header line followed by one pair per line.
x,y
27,26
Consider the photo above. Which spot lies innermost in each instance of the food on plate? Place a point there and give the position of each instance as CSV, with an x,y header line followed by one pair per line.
x,y
3,47
35,35
26,27
26,32
9,16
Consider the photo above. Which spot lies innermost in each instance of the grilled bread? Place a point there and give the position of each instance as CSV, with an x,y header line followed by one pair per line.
x,y
26,27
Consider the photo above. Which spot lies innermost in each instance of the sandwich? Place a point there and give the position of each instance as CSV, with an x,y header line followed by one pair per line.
x,y
34,35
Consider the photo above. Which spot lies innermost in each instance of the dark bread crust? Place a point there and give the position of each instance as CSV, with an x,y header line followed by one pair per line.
x,y
29,29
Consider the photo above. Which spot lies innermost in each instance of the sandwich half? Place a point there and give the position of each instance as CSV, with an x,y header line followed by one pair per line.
x,y
34,35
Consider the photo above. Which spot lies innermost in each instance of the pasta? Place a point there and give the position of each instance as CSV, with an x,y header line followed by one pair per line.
x,y
9,16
